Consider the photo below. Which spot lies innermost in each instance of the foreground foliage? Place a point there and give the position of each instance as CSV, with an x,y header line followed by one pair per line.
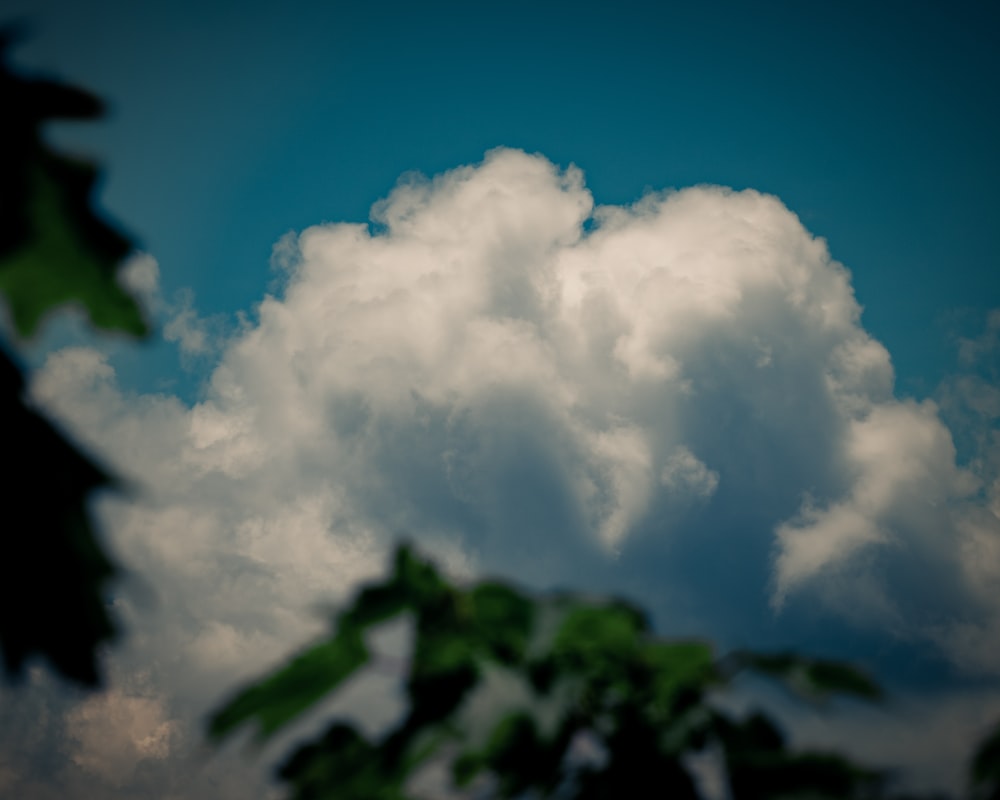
x,y
567,670
54,249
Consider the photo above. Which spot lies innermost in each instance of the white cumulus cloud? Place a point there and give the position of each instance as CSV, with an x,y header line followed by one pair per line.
x,y
520,392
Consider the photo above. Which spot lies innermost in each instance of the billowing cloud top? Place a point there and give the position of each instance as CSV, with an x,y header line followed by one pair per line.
x,y
526,384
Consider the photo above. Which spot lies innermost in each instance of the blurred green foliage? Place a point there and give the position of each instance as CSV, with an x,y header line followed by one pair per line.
x,y
54,249
587,670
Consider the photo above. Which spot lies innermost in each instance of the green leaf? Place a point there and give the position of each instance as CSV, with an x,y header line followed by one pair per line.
x,y
342,764
377,604
414,585
677,666
68,255
54,249
277,700
814,679
833,677
598,638
503,620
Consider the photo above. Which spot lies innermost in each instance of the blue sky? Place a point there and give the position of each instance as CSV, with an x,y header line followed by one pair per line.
x,y
872,122
695,442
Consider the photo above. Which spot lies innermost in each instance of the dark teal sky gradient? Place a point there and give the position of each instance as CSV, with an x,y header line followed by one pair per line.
x,y
877,123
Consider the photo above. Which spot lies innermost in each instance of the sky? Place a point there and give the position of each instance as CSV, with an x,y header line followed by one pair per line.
x,y
695,303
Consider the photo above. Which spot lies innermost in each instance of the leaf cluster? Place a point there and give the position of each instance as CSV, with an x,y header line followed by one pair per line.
x,y
588,670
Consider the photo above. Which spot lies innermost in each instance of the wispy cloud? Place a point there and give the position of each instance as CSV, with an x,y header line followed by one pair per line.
x,y
179,320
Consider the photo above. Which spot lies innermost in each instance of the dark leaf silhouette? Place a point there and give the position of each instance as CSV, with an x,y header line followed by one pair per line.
x,y
760,766
52,568
985,768
54,249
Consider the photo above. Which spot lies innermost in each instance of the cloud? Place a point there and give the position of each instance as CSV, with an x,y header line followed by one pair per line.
x,y
141,276
115,731
652,399
903,462
970,404
974,351
682,471
195,335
